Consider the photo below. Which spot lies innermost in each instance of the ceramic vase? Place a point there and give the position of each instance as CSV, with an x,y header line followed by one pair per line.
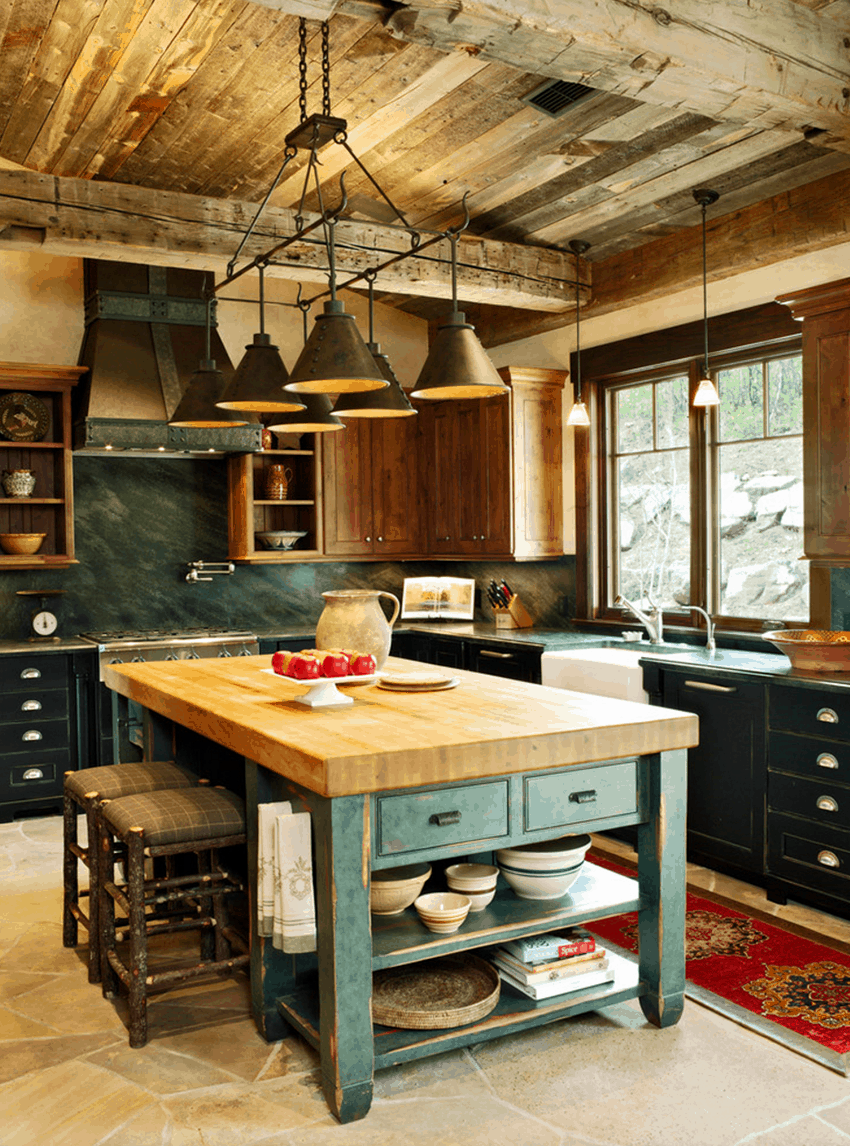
x,y
353,619
18,483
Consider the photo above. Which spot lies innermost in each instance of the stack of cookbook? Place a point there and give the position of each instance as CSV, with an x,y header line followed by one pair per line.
x,y
546,965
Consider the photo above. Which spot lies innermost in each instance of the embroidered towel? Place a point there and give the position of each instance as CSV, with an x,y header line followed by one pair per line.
x,y
267,814
294,904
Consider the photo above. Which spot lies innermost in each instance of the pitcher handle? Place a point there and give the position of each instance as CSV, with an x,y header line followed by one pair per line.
x,y
397,608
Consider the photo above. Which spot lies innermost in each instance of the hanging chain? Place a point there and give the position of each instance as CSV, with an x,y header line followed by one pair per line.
x,y
302,68
326,71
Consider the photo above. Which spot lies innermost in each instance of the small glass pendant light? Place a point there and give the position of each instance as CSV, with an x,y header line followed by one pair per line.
x,y
578,415
706,392
198,406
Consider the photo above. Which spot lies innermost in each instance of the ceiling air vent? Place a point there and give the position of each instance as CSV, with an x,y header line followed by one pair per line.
x,y
557,96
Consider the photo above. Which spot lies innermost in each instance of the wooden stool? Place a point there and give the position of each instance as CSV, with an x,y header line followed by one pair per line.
x,y
84,789
168,823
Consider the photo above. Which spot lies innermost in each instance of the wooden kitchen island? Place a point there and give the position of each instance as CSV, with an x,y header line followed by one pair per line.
x,y
396,778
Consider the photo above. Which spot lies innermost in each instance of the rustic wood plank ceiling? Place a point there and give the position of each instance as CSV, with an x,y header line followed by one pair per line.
x,y
197,96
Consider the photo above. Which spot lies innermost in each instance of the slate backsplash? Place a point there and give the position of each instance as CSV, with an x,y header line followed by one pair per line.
x,y
140,521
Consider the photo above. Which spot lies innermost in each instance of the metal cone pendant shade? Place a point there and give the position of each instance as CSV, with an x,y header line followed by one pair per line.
x,y
335,359
198,407
258,381
315,417
457,365
389,403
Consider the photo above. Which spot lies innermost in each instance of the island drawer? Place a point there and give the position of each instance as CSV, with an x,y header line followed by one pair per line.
x,y
34,705
577,795
810,711
826,760
413,821
825,803
33,777
29,736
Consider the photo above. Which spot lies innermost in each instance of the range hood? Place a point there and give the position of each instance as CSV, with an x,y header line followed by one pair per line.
x,y
145,334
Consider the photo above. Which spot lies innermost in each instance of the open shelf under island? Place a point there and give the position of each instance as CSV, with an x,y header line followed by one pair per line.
x,y
513,762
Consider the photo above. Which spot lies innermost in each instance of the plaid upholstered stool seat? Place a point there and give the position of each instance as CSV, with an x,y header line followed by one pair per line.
x,y
83,790
199,820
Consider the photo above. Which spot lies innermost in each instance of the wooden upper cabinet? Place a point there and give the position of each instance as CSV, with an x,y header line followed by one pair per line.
x,y
372,489
38,439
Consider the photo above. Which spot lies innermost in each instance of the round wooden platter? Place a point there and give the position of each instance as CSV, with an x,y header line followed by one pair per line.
x,y
449,991
424,681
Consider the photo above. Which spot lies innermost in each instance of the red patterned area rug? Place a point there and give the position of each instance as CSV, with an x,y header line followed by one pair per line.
x,y
777,979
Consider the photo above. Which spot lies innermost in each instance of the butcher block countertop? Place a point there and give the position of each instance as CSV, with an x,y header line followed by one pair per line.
x,y
389,740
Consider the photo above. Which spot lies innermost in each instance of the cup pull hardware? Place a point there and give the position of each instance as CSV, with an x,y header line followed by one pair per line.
x,y
587,797
31,735
829,859
443,819
827,715
827,760
704,686
31,706
34,774
827,804
30,674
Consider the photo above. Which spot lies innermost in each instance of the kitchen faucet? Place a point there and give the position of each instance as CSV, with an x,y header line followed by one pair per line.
x,y
709,643
652,621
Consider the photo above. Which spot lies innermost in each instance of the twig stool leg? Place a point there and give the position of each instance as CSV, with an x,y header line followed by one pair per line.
x,y
138,938
70,873
90,805
106,859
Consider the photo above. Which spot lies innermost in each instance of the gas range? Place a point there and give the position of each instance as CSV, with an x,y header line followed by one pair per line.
x,y
123,646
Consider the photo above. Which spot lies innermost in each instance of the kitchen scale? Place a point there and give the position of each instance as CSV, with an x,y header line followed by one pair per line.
x,y
43,621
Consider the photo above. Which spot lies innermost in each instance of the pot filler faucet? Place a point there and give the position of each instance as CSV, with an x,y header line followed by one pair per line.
x,y
652,622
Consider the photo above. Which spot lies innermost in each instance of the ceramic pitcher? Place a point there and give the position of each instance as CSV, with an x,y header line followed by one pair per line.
x,y
277,482
18,483
353,619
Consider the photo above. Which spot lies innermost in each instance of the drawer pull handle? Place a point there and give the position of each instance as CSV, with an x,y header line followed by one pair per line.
x,y
34,774
30,674
588,797
33,734
704,686
496,656
442,819
827,760
827,804
827,715
829,859
31,706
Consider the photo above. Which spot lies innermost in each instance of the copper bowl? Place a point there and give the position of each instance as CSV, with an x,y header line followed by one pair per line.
x,y
21,542
814,650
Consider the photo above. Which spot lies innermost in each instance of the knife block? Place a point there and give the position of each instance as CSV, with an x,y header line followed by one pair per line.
x,y
515,616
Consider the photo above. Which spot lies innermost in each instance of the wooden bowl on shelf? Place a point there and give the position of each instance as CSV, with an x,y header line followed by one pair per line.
x,y
21,543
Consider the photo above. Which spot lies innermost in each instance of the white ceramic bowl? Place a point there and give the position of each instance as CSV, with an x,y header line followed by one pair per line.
x,y
478,900
552,884
395,888
442,911
466,877
279,538
550,855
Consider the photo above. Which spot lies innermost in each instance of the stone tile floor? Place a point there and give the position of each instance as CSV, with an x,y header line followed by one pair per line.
x,y
68,1078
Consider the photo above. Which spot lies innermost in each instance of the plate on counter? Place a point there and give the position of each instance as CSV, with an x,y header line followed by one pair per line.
x,y
425,681
321,691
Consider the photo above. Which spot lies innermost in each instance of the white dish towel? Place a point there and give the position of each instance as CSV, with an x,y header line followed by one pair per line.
x,y
285,899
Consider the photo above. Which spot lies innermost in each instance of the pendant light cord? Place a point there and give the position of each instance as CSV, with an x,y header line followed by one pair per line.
x,y
578,248
704,290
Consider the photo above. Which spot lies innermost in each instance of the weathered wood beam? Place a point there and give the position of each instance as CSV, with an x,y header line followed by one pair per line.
x,y
773,66
94,219
310,9
809,218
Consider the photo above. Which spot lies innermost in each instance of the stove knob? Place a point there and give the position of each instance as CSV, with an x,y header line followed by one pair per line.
x,y
171,657
115,661
139,660
192,655
243,652
223,653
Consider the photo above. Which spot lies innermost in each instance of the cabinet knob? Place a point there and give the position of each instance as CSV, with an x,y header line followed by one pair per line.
x,y
30,674
827,760
380,539
827,804
32,734
31,706
829,859
827,715
34,774
442,819
367,539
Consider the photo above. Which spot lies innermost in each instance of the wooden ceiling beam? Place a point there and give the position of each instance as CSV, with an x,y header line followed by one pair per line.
x,y
777,66
92,219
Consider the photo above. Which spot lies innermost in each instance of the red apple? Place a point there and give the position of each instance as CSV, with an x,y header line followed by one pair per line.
x,y
335,664
279,662
363,664
303,667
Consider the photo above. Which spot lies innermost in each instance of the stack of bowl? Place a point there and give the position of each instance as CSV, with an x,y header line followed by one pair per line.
x,y
477,881
442,911
545,870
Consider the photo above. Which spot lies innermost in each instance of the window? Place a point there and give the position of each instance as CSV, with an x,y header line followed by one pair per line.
x,y
704,507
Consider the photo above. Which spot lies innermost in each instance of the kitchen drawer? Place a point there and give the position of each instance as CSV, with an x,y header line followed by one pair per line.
x,y
476,813
810,711
816,757
30,736
32,706
809,854
578,795
19,674
824,803
42,774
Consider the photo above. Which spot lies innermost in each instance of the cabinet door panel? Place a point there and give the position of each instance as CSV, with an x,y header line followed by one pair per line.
x,y
496,502
348,486
396,486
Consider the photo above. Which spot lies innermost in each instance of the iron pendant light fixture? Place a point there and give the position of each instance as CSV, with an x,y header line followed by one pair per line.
x,y
706,392
578,415
258,381
314,415
389,403
457,365
198,406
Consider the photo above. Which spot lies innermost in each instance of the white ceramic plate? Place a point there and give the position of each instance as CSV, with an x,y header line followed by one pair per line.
x,y
323,679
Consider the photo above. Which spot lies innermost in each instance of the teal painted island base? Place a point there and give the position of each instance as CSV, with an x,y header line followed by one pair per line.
x,y
400,778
